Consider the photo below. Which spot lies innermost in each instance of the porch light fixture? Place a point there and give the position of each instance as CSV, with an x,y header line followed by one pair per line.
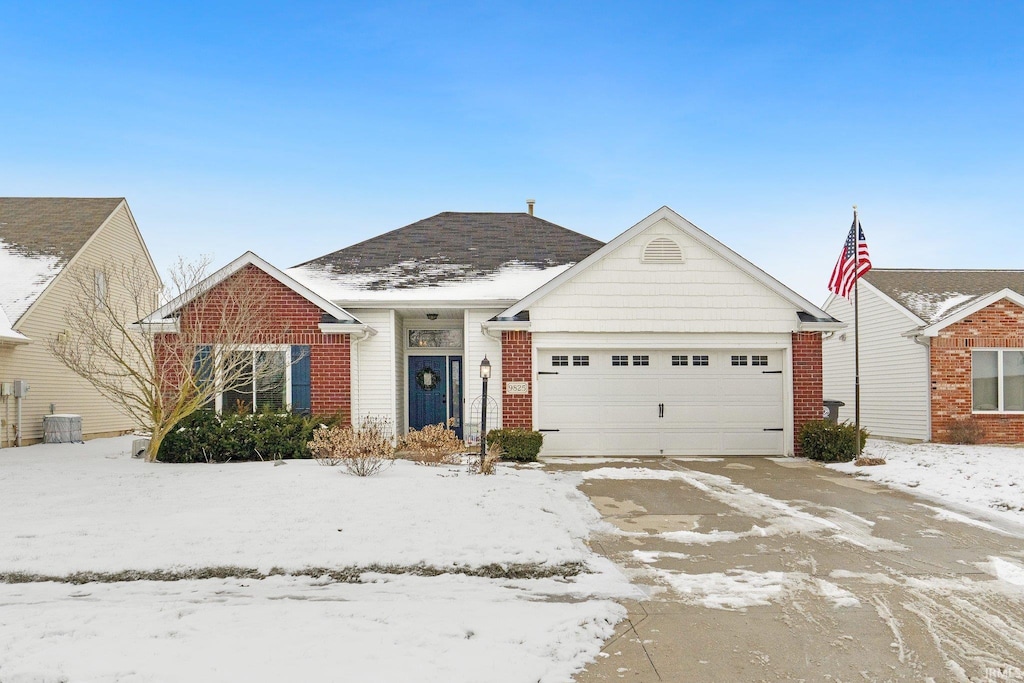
x,y
485,374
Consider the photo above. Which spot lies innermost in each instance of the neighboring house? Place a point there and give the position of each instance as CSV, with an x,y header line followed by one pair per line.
x,y
661,342
937,347
42,240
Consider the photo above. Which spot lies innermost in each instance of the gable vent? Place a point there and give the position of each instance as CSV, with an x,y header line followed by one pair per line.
x,y
662,250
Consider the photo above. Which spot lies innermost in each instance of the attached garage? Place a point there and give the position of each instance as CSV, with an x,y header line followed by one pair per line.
x,y
661,401
663,342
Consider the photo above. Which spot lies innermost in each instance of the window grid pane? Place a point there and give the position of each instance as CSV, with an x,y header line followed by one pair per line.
x,y
1013,380
739,360
641,360
759,360
679,360
700,360
559,361
618,361
581,361
985,380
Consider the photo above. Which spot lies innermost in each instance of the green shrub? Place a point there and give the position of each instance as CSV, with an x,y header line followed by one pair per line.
x,y
520,445
830,442
205,436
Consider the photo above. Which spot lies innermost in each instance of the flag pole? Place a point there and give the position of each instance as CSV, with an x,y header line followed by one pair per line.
x,y
856,327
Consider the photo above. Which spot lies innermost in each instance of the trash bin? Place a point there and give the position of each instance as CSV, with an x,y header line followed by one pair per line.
x,y
831,410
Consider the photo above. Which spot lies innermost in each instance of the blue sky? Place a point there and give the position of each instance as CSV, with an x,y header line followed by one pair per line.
x,y
296,129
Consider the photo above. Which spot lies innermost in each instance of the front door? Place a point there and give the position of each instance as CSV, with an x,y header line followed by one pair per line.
x,y
428,391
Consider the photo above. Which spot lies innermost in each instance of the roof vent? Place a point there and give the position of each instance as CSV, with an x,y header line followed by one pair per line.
x,y
662,250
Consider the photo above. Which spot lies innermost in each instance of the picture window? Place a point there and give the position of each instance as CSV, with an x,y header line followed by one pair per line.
x,y
997,380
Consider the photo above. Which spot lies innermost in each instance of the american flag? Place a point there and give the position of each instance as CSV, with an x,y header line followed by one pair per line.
x,y
852,263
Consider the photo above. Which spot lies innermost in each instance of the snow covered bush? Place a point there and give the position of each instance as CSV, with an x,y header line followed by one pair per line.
x,y
520,445
363,451
830,442
432,445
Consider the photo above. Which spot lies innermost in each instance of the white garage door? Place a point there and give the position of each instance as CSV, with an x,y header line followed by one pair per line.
x,y
664,402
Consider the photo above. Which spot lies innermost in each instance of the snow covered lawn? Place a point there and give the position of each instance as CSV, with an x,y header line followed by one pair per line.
x,y
75,508
987,479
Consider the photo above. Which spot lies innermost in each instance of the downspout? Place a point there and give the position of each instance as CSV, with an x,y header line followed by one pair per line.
x,y
928,380
354,339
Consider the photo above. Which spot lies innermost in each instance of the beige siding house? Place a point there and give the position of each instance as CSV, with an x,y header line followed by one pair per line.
x,y
45,244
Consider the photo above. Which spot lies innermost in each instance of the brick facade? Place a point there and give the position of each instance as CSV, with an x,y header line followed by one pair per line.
x,y
1000,325
288,318
517,366
807,397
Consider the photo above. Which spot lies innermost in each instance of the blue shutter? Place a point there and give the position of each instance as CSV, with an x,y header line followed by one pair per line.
x,y
301,399
202,370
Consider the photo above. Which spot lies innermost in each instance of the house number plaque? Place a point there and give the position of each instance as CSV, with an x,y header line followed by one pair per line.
x,y
513,388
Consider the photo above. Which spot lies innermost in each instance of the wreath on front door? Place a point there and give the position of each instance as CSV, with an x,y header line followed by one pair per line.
x,y
427,379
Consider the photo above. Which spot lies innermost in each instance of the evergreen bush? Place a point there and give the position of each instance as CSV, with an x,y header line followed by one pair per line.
x,y
205,436
520,445
831,442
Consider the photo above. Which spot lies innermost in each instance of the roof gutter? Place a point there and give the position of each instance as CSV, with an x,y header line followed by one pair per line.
x,y
492,329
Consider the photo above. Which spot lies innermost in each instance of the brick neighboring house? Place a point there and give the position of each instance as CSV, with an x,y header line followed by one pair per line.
x,y
937,347
661,342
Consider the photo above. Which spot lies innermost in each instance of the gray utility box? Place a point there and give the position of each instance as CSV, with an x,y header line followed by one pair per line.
x,y
62,429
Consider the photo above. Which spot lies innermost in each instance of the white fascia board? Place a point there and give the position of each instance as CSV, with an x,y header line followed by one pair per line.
x,y
692,231
246,259
506,325
388,304
985,301
360,330
821,326
162,326
13,338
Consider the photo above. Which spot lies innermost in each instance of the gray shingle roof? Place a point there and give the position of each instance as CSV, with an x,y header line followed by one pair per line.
x,y
52,226
936,294
453,246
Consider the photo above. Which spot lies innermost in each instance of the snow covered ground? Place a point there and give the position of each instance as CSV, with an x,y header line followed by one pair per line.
x,y
986,479
71,508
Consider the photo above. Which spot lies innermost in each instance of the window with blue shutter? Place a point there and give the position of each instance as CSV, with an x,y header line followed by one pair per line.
x,y
301,395
202,371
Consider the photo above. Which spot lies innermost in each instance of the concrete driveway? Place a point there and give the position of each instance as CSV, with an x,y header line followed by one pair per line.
x,y
761,569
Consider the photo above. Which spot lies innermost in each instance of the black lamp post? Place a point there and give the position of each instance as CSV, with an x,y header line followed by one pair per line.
x,y
485,374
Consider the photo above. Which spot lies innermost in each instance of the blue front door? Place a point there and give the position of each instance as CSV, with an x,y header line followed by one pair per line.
x,y
428,391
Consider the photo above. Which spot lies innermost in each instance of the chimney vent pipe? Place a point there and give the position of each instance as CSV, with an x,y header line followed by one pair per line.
x,y
529,205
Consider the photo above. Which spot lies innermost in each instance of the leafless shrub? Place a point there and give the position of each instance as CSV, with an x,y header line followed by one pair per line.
x,y
965,431
433,445
491,457
363,452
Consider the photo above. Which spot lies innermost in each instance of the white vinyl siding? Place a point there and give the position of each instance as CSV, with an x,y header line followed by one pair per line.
x,y
893,369
621,293
373,368
116,242
401,425
478,345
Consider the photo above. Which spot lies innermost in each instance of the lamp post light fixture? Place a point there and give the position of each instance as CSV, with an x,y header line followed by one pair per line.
x,y
485,374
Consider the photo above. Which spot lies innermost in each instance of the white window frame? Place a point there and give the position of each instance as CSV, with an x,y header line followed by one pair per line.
x,y
999,383
252,348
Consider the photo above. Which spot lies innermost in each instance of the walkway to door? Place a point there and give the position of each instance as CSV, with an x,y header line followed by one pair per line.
x,y
762,569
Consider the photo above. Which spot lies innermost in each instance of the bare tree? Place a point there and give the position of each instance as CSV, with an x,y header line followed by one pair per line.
x,y
161,370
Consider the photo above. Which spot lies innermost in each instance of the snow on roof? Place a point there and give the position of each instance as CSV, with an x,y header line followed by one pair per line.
x,y
448,282
23,277
7,333
934,306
